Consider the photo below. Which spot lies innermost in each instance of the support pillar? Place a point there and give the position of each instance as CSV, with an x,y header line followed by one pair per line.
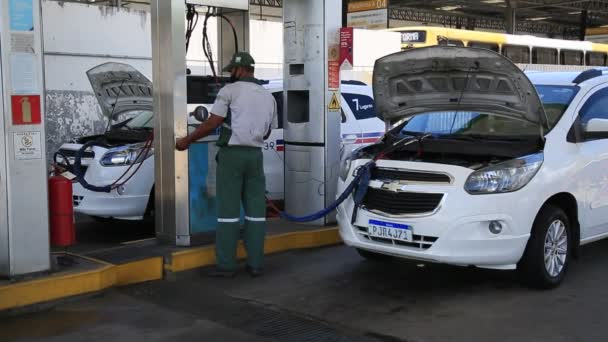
x,y
24,227
510,17
583,24
170,112
312,105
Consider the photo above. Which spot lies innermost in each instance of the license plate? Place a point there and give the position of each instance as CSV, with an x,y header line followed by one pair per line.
x,y
390,230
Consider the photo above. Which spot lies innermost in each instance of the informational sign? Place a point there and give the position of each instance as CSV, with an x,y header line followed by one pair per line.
x,y
21,14
334,103
291,43
24,76
346,48
368,14
27,145
22,42
333,75
26,109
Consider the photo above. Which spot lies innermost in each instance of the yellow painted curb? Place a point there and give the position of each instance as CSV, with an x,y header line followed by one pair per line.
x,y
109,275
56,287
139,271
73,284
205,256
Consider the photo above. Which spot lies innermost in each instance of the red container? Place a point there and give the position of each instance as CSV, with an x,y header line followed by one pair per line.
x,y
61,212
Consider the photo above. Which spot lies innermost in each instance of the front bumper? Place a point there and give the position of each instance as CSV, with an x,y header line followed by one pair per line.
x,y
464,243
127,207
457,232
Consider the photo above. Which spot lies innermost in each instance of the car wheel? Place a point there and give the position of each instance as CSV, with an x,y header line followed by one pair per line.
x,y
372,256
547,255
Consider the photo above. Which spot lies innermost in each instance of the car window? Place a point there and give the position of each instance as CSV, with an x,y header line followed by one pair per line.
x,y
140,119
556,100
278,97
469,123
516,53
362,106
489,46
596,107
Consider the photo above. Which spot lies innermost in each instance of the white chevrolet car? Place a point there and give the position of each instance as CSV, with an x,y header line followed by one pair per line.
x,y
125,96
483,165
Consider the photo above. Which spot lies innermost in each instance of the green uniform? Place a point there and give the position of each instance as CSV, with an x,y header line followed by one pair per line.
x,y
249,111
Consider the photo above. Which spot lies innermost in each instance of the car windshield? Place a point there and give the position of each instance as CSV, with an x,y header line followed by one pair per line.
x,y
555,99
141,119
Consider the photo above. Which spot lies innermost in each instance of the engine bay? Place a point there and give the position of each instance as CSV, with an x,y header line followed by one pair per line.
x,y
470,152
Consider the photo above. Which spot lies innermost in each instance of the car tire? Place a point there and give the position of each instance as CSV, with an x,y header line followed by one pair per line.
x,y
548,252
373,256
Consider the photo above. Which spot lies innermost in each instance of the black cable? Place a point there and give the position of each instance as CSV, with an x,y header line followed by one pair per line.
x,y
212,12
192,21
205,43
236,40
466,84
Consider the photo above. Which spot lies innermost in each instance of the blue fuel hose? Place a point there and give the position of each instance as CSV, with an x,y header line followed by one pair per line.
x,y
77,168
359,186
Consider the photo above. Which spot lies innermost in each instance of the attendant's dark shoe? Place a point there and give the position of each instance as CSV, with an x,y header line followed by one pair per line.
x,y
220,273
254,272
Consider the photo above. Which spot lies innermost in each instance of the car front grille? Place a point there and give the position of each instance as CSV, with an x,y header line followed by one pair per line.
x,y
410,176
76,200
72,153
400,203
421,242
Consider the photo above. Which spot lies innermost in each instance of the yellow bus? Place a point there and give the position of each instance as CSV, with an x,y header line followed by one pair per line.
x,y
521,49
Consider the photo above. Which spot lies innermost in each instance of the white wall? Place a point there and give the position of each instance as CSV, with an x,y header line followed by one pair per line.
x,y
95,35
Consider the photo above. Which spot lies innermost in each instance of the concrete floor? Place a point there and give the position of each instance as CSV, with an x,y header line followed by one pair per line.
x,y
340,297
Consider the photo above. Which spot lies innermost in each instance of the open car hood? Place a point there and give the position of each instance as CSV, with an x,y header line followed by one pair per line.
x,y
443,78
120,88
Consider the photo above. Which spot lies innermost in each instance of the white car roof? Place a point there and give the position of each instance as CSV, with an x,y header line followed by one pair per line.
x,y
569,77
349,86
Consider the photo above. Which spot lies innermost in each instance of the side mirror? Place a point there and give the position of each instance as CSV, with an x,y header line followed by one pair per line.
x,y
200,113
595,129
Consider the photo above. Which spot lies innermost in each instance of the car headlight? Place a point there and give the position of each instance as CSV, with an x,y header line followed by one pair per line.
x,y
503,177
125,155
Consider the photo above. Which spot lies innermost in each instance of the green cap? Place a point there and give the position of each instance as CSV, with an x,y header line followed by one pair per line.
x,y
240,59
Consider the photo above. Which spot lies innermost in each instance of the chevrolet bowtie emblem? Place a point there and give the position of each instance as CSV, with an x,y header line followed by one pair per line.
x,y
394,187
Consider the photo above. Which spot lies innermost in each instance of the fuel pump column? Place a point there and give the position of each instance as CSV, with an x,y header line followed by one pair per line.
x,y
312,125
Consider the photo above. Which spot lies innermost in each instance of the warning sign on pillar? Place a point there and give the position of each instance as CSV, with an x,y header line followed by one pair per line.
x,y
333,75
334,103
26,109
346,48
27,145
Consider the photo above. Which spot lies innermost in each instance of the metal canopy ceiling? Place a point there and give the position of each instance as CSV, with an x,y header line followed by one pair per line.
x,y
558,17
550,17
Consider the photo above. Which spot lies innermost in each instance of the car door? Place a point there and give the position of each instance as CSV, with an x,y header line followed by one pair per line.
x,y
592,179
273,151
360,104
349,128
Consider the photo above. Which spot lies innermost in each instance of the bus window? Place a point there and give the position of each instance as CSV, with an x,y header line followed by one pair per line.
x,y
408,37
489,46
571,57
517,54
449,42
544,56
596,58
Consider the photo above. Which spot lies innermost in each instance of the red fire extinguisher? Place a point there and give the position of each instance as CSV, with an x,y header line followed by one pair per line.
x,y
61,210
